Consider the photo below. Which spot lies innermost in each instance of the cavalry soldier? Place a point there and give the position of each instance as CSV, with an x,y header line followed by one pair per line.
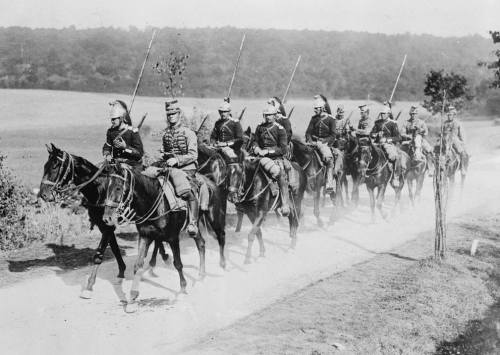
x,y
270,142
123,142
386,132
227,134
281,117
455,129
343,127
417,127
321,134
180,153
364,121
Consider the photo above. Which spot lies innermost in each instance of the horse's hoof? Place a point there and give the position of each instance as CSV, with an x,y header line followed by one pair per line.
x,y
248,260
86,294
201,275
121,274
320,223
131,307
262,254
223,264
152,273
183,291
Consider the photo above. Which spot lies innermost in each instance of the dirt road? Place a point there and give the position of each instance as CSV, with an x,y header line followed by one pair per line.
x,y
45,315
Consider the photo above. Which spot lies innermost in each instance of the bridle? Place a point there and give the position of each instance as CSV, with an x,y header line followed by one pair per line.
x,y
64,183
123,207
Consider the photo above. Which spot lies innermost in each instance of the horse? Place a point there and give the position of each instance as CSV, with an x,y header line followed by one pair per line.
x,y
351,165
417,169
375,172
130,194
315,170
453,162
250,188
65,173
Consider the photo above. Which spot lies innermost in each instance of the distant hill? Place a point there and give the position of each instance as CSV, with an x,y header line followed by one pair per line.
x,y
351,65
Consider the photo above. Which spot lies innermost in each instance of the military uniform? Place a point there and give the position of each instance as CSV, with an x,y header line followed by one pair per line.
x,y
343,127
132,153
271,138
455,130
180,143
228,136
286,124
417,127
387,133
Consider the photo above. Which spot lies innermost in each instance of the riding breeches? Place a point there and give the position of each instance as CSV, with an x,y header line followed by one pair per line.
x,y
325,151
391,151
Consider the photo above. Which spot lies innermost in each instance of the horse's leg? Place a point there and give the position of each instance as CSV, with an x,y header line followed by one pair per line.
x,y
355,190
409,182
317,196
200,245
261,216
97,259
176,252
372,202
293,220
256,219
139,270
118,255
380,200
240,220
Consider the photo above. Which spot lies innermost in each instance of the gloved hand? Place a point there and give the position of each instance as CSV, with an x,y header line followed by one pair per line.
x,y
221,144
263,152
108,158
257,150
119,143
172,161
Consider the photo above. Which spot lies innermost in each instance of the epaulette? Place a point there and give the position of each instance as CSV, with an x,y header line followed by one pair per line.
x,y
131,128
279,126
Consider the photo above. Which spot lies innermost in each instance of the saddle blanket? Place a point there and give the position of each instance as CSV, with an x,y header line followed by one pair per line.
x,y
175,202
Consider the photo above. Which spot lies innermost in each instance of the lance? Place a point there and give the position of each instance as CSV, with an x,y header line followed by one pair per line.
x,y
235,68
201,125
399,114
290,81
142,72
242,113
138,127
397,80
291,111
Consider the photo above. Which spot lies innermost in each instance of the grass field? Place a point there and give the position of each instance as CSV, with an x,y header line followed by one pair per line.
x,y
77,122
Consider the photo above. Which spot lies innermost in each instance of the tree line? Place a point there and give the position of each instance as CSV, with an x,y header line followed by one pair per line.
x,y
349,65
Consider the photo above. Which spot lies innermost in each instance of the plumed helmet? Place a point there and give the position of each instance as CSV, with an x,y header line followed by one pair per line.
x,y
413,110
171,108
452,110
270,110
279,105
318,102
363,108
117,110
340,109
225,107
385,110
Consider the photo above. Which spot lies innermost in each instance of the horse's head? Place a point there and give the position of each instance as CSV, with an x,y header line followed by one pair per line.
x,y
301,151
57,172
365,154
236,179
119,191
248,139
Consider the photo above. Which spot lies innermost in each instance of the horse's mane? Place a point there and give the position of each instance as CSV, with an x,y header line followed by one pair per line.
x,y
300,145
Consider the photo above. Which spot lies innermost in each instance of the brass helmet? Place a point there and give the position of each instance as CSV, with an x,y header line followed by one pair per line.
x,y
116,110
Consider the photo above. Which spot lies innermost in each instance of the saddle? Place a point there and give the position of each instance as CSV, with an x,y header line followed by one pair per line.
x,y
175,202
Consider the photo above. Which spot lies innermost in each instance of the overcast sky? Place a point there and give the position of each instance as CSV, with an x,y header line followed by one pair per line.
x,y
437,17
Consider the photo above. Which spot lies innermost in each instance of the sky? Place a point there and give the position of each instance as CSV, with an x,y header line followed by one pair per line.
x,y
436,17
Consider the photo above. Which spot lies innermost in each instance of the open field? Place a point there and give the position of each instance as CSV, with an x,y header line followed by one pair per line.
x,y
77,122
41,285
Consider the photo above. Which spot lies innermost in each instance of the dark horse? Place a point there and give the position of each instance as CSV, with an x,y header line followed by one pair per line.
x,y
66,173
417,169
375,172
251,191
351,164
129,193
315,171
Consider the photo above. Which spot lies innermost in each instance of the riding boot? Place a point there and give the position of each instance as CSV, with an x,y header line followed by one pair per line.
x,y
193,206
330,183
283,183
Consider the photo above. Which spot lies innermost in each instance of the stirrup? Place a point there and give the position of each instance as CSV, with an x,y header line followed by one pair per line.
x,y
284,211
192,229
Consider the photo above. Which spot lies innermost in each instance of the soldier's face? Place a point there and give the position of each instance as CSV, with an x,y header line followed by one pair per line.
x,y
269,118
412,116
317,110
173,119
364,114
116,122
340,115
450,116
224,114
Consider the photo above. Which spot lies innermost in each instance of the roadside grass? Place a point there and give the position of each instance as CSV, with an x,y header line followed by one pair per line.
x,y
401,302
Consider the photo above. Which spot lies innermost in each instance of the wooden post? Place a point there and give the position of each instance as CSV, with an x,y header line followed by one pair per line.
x,y
440,194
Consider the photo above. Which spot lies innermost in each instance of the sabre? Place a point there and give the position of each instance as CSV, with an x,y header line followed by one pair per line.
x,y
138,127
291,111
201,125
283,100
142,72
236,67
397,80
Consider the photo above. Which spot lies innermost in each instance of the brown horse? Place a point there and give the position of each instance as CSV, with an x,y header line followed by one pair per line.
x,y
417,169
250,188
65,173
130,194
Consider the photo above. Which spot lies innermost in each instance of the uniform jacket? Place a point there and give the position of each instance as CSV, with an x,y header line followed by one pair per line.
x,y
227,131
321,128
134,149
342,126
417,125
271,136
287,125
454,128
180,142
389,128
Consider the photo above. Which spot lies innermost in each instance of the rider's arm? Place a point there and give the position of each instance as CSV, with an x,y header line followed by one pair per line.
x,y
238,136
107,148
192,150
395,136
425,130
213,135
282,147
134,150
332,132
310,131
461,133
